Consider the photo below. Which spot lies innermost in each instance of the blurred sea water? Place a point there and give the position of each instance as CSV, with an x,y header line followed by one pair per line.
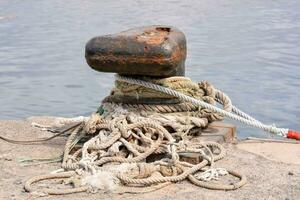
x,y
249,49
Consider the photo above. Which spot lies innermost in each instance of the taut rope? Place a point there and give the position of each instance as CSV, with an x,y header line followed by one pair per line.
x,y
237,114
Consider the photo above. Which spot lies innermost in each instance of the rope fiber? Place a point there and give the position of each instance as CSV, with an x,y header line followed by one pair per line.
x,y
237,114
134,147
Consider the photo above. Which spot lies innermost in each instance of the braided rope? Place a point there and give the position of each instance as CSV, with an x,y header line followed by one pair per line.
x,y
124,134
28,184
141,139
246,119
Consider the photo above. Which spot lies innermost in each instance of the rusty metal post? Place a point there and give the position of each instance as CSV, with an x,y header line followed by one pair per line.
x,y
157,51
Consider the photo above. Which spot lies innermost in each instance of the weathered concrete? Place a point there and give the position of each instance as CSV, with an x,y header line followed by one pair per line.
x,y
148,51
267,179
280,152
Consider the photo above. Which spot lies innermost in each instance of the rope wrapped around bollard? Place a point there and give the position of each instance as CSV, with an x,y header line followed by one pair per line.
x,y
237,115
119,142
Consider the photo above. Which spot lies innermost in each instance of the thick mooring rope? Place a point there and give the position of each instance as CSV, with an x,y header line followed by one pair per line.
x,y
237,114
139,140
126,146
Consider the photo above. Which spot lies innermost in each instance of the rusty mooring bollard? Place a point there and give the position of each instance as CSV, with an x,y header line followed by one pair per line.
x,y
157,51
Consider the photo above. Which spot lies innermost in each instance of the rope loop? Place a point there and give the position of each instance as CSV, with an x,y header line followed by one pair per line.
x,y
125,145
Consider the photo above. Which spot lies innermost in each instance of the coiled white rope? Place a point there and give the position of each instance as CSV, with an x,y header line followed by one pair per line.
x,y
237,114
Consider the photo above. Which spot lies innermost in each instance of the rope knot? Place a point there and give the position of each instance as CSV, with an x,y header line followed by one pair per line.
x,y
211,174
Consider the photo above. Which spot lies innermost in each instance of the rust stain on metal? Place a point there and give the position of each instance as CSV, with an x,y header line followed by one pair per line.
x,y
154,37
149,51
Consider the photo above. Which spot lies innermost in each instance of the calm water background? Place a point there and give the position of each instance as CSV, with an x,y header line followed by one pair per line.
x,y
249,49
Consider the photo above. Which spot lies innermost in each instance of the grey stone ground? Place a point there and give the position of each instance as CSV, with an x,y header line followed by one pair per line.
x,y
267,179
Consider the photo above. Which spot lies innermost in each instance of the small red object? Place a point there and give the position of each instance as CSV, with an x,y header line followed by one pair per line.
x,y
293,135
